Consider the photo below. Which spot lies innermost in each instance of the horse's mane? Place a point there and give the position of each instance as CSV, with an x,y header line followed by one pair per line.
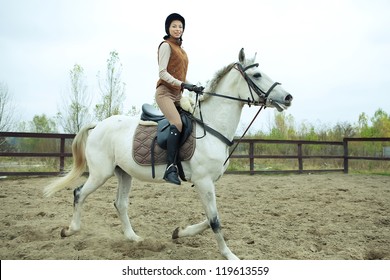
x,y
218,77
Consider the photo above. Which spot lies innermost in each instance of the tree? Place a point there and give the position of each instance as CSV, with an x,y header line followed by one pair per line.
x,y
284,127
39,124
7,109
343,129
381,124
363,127
75,110
133,111
112,90
43,124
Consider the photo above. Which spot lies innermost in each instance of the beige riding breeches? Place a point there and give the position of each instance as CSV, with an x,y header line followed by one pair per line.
x,y
167,101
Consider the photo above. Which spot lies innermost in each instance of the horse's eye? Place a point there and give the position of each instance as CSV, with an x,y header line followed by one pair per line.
x,y
257,75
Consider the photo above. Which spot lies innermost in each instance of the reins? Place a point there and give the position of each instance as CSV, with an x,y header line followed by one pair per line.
x,y
242,136
251,86
200,121
248,101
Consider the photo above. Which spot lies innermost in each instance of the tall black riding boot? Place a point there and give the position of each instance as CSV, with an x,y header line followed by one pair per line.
x,y
171,175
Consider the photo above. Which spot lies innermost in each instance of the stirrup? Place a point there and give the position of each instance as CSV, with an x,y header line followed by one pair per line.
x,y
171,175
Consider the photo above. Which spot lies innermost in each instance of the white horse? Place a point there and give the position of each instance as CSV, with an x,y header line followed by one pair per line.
x,y
107,149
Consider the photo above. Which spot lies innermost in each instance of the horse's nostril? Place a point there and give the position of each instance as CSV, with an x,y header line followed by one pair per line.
x,y
288,97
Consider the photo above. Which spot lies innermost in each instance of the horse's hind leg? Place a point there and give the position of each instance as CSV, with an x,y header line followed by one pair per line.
x,y
122,202
80,194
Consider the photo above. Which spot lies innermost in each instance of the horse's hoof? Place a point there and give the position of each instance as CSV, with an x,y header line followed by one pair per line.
x,y
233,257
138,239
63,232
229,255
175,234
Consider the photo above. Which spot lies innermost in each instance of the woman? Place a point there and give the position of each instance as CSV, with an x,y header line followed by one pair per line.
x,y
173,64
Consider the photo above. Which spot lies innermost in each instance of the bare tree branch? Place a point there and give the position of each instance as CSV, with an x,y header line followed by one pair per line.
x,y
112,89
7,109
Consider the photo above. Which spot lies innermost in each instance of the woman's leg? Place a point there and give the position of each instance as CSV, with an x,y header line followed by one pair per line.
x,y
166,102
167,106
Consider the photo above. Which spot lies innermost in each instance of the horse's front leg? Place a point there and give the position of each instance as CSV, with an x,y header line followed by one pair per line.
x,y
206,191
122,202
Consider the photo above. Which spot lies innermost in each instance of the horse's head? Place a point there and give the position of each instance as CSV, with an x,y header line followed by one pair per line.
x,y
259,88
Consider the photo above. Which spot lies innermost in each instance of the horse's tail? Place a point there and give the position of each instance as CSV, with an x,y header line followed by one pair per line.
x,y
79,162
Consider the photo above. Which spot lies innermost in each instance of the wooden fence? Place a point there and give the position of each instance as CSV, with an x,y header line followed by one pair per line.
x,y
300,157
61,154
248,153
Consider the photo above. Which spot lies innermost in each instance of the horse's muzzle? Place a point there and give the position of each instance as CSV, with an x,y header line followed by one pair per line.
x,y
288,98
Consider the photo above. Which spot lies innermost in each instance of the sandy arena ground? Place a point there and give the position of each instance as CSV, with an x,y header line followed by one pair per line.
x,y
303,217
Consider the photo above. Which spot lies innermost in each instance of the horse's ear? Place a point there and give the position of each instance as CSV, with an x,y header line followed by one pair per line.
x,y
241,56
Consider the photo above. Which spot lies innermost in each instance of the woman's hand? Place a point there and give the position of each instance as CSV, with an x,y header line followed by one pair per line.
x,y
191,87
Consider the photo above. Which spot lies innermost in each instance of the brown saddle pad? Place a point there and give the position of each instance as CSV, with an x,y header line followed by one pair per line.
x,y
142,142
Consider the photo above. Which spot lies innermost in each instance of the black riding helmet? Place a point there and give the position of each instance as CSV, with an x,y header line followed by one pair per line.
x,y
168,21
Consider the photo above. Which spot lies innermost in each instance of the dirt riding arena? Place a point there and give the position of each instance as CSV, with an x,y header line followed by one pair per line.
x,y
327,216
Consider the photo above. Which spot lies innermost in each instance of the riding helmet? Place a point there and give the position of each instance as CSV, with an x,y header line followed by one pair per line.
x,y
172,17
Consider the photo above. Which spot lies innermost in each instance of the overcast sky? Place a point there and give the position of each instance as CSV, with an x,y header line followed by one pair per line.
x,y
332,56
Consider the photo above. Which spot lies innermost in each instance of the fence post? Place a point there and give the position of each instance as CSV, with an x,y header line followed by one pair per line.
x,y
300,160
62,156
345,144
251,158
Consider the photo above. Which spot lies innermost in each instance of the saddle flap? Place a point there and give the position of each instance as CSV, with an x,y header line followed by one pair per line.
x,y
144,143
150,113
163,133
163,130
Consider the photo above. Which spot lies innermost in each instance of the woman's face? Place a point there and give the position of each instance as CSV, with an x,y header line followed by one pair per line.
x,y
176,29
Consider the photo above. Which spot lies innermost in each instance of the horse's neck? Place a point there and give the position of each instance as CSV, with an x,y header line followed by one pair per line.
x,y
220,113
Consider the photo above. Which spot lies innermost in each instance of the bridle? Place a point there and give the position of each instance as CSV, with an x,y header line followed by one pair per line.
x,y
251,85
263,95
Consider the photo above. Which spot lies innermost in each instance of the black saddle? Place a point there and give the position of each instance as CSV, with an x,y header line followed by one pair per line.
x,y
150,113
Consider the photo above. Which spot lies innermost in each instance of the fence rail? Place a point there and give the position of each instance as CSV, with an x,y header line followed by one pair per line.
x,y
61,154
251,156
300,156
